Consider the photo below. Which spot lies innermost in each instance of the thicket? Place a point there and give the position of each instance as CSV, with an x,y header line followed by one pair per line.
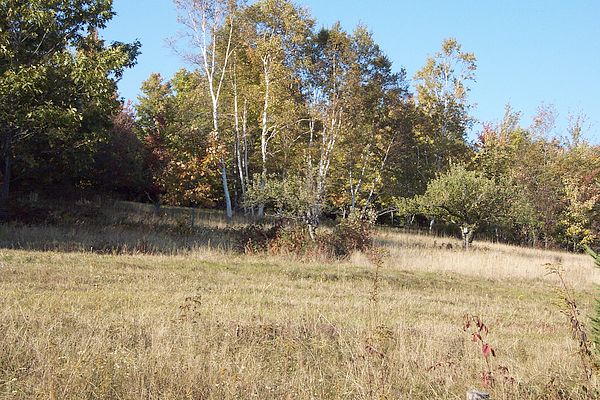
x,y
353,234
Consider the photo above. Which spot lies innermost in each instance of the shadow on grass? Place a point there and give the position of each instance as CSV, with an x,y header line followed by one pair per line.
x,y
118,228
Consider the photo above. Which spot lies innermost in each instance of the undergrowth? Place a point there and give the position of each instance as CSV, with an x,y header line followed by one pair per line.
x,y
350,235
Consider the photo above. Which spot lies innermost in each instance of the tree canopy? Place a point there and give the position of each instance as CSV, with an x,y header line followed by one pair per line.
x,y
57,87
278,115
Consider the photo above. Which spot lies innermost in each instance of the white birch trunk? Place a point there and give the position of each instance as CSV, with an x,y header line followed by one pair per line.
x,y
264,138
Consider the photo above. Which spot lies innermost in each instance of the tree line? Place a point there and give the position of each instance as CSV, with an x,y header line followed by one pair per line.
x,y
279,116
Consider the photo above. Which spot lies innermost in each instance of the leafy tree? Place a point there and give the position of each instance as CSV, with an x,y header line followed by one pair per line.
x,y
57,84
468,199
580,173
155,115
444,110
576,220
499,148
182,161
209,28
373,126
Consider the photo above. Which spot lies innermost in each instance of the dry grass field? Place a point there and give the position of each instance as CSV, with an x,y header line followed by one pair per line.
x,y
199,321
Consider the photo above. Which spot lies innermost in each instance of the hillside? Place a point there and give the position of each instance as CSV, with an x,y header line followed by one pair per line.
x,y
213,323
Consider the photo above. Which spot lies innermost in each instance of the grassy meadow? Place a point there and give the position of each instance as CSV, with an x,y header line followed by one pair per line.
x,y
125,310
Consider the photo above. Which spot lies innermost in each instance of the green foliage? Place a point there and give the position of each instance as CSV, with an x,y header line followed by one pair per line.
x,y
471,201
466,197
57,88
289,198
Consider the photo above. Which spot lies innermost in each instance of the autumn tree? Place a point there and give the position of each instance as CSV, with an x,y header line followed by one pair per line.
x,y
155,115
537,167
182,161
442,88
580,170
209,27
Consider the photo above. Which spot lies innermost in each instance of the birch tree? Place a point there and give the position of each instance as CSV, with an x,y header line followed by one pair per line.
x,y
277,33
209,28
326,89
442,87
240,128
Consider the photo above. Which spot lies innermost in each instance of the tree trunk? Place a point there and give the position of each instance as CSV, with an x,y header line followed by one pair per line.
x,y
228,208
240,140
314,185
227,197
264,139
467,236
5,188
245,173
312,221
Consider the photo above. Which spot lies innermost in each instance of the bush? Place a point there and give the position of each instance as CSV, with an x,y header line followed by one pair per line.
x,y
351,235
293,240
256,238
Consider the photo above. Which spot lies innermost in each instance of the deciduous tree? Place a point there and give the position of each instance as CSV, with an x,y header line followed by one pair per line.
x,y
57,82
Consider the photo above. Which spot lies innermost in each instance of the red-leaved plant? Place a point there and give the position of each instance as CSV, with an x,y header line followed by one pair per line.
x,y
474,325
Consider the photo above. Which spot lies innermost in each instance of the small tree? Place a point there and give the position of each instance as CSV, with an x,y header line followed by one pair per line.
x,y
469,200
289,198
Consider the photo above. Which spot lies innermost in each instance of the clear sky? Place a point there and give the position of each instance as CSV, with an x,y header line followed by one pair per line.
x,y
528,52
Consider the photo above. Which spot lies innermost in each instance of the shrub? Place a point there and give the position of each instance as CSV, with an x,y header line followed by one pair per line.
x,y
352,234
255,238
277,239
294,240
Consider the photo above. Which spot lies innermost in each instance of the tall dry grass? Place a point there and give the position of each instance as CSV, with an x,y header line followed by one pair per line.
x,y
202,322
486,260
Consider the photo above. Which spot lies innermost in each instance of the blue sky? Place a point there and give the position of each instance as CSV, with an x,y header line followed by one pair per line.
x,y
528,52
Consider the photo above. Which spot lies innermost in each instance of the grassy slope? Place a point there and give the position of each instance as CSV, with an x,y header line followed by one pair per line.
x,y
210,324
